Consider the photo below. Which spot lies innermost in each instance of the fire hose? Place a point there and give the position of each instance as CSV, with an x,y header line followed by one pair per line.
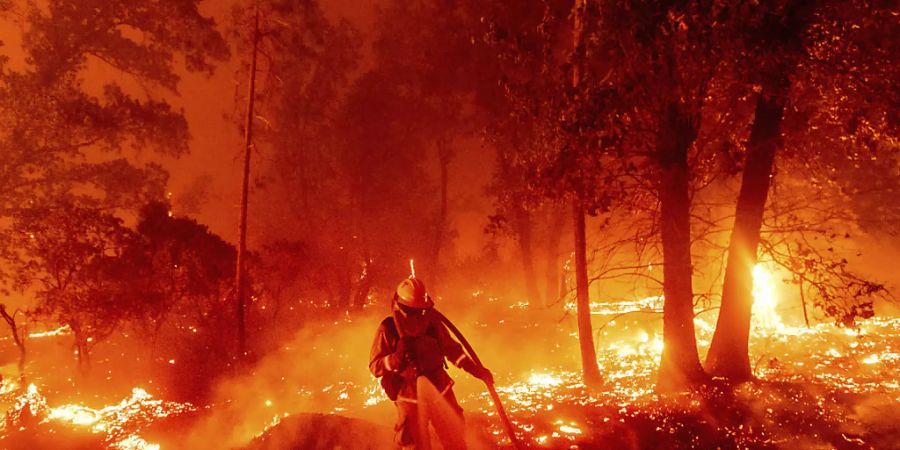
x,y
501,411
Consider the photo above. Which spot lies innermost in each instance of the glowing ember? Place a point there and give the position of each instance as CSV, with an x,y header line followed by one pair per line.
x,y
118,423
374,394
609,308
824,355
872,359
550,406
135,443
74,414
544,380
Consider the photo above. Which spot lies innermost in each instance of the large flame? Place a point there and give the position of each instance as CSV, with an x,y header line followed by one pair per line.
x,y
765,299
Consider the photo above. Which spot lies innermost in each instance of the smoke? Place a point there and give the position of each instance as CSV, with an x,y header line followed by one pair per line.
x,y
315,371
323,369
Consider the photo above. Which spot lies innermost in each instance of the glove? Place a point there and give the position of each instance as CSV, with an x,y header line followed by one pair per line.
x,y
477,371
402,356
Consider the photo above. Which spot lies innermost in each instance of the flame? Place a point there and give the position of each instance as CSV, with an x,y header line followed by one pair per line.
x,y
872,359
63,330
765,299
74,414
604,308
545,403
544,380
274,422
135,443
119,423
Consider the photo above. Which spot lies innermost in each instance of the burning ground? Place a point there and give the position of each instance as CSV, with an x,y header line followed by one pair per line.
x,y
206,206
818,387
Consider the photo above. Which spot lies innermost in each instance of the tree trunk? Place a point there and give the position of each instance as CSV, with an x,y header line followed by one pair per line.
x,y
445,155
552,270
82,350
84,357
240,275
18,336
728,354
363,287
583,300
345,291
680,364
524,234
582,295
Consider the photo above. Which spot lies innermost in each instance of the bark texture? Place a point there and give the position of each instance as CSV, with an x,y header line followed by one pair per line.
x,y
551,259
525,237
240,271
583,301
728,355
680,363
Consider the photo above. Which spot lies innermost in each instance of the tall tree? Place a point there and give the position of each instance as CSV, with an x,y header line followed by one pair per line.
x,y
779,36
559,128
19,335
306,61
582,288
553,233
822,40
72,258
667,54
183,283
240,272
60,136
426,47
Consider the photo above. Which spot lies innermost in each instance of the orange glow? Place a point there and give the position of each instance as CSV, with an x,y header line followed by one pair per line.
x,y
765,298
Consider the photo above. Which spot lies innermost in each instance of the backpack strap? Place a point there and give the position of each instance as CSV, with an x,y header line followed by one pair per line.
x,y
391,382
432,331
390,329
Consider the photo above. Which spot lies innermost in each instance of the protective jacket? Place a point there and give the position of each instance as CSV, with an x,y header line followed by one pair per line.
x,y
431,346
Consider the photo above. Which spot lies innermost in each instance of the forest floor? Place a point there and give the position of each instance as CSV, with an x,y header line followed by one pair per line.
x,y
759,415
817,387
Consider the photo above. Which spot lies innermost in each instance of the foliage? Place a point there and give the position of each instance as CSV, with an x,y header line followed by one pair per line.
x,y
186,271
72,257
63,184
186,276
57,135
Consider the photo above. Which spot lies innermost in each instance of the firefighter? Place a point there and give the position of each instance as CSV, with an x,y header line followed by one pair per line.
x,y
411,347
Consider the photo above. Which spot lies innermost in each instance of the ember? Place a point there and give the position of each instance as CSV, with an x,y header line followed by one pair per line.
x,y
250,224
119,424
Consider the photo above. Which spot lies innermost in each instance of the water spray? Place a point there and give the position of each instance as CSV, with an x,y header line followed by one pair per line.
x,y
501,411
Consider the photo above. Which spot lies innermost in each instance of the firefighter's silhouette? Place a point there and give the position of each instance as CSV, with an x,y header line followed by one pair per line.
x,y
411,348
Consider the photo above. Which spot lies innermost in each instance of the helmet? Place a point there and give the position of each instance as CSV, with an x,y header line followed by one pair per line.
x,y
411,292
